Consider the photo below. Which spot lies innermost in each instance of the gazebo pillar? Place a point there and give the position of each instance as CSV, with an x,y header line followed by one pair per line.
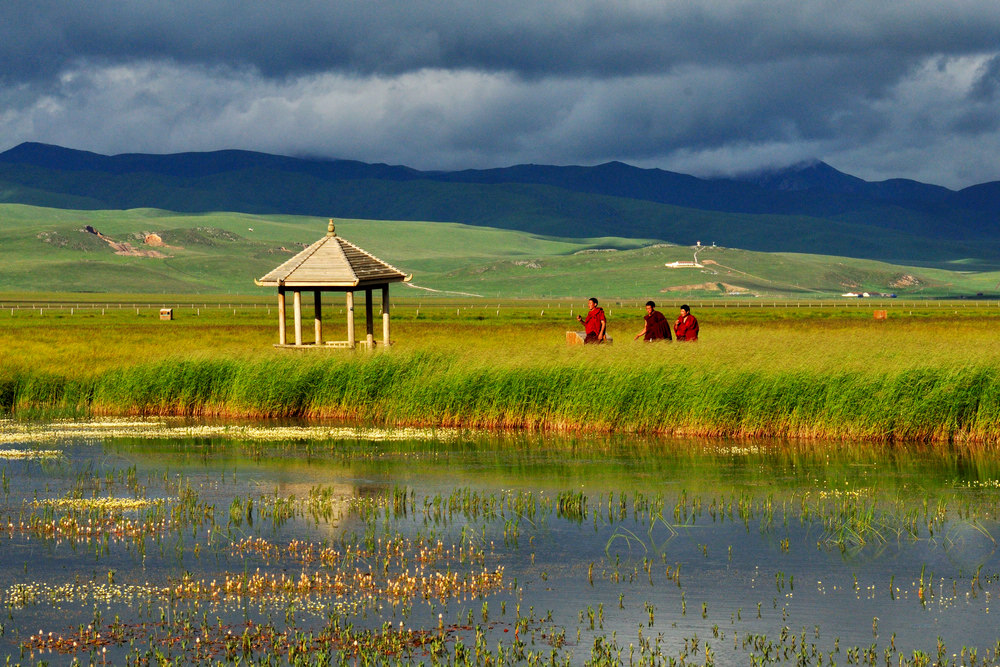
x,y
282,340
297,309
318,318
350,319
385,316
369,326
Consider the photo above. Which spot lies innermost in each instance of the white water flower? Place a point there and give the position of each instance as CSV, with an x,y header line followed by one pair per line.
x,y
119,504
22,432
30,453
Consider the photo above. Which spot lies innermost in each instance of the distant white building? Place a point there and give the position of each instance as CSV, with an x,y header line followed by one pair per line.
x,y
684,265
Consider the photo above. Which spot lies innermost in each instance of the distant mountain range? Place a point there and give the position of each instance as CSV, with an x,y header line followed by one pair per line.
x,y
809,207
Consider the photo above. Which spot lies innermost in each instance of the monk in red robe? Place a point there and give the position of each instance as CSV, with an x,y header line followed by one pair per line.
x,y
686,326
657,327
595,323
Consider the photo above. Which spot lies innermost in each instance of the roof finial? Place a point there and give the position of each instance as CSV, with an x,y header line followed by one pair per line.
x,y
330,229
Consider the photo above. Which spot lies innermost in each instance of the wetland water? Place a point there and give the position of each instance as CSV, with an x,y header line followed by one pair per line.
x,y
145,542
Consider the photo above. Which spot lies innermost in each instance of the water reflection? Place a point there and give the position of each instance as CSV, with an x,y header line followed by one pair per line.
x,y
561,547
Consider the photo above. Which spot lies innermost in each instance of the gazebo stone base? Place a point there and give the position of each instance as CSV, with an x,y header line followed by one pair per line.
x,y
579,337
330,344
346,345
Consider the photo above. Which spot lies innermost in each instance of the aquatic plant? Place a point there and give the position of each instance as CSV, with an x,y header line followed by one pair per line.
x,y
22,454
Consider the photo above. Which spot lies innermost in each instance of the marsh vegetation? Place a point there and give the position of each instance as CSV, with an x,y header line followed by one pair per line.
x,y
927,373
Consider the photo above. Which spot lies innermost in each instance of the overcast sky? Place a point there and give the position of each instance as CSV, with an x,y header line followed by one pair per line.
x,y
877,88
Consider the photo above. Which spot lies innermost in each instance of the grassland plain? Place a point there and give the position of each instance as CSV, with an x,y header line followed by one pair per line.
x,y
221,253
928,373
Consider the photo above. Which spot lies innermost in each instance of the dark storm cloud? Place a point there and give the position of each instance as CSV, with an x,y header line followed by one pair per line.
x,y
531,38
879,89
987,81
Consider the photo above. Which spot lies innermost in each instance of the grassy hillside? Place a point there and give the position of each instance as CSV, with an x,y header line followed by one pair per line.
x,y
828,212
48,250
724,272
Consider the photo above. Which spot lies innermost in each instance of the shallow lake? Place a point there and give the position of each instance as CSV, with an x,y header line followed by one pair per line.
x,y
149,541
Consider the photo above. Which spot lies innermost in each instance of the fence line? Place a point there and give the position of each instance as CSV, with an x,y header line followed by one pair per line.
x,y
544,309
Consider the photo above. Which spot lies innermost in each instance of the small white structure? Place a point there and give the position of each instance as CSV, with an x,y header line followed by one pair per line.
x,y
580,337
333,264
684,265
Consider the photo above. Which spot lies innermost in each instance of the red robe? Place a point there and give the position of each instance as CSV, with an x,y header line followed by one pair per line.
x,y
592,324
657,327
686,328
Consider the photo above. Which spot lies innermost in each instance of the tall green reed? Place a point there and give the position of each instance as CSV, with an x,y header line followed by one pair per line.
x,y
573,392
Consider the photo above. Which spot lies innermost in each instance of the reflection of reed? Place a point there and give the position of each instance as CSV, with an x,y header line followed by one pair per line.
x,y
327,506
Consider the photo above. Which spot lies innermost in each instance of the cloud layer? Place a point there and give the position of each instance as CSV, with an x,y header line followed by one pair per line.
x,y
880,90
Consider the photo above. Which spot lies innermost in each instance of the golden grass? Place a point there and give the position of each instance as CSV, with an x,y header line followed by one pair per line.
x,y
766,372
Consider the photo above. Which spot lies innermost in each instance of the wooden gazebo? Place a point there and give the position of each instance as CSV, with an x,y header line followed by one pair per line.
x,y
333,264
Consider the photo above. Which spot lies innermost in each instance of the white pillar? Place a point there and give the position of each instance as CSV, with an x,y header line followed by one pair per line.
x,y
385,317
369,326
318,318
350,319
297,308
282,340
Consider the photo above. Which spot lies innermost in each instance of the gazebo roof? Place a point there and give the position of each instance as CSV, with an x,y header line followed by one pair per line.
x,y
332,262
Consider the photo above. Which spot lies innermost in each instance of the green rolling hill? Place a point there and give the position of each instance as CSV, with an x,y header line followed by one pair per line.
x,y
155,251
806,209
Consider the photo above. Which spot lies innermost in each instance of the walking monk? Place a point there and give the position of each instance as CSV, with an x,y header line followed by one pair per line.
x,y
595,323
657,327
686,326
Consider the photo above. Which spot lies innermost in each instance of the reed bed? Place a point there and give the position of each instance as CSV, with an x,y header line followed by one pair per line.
x,y
584,393
930,378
